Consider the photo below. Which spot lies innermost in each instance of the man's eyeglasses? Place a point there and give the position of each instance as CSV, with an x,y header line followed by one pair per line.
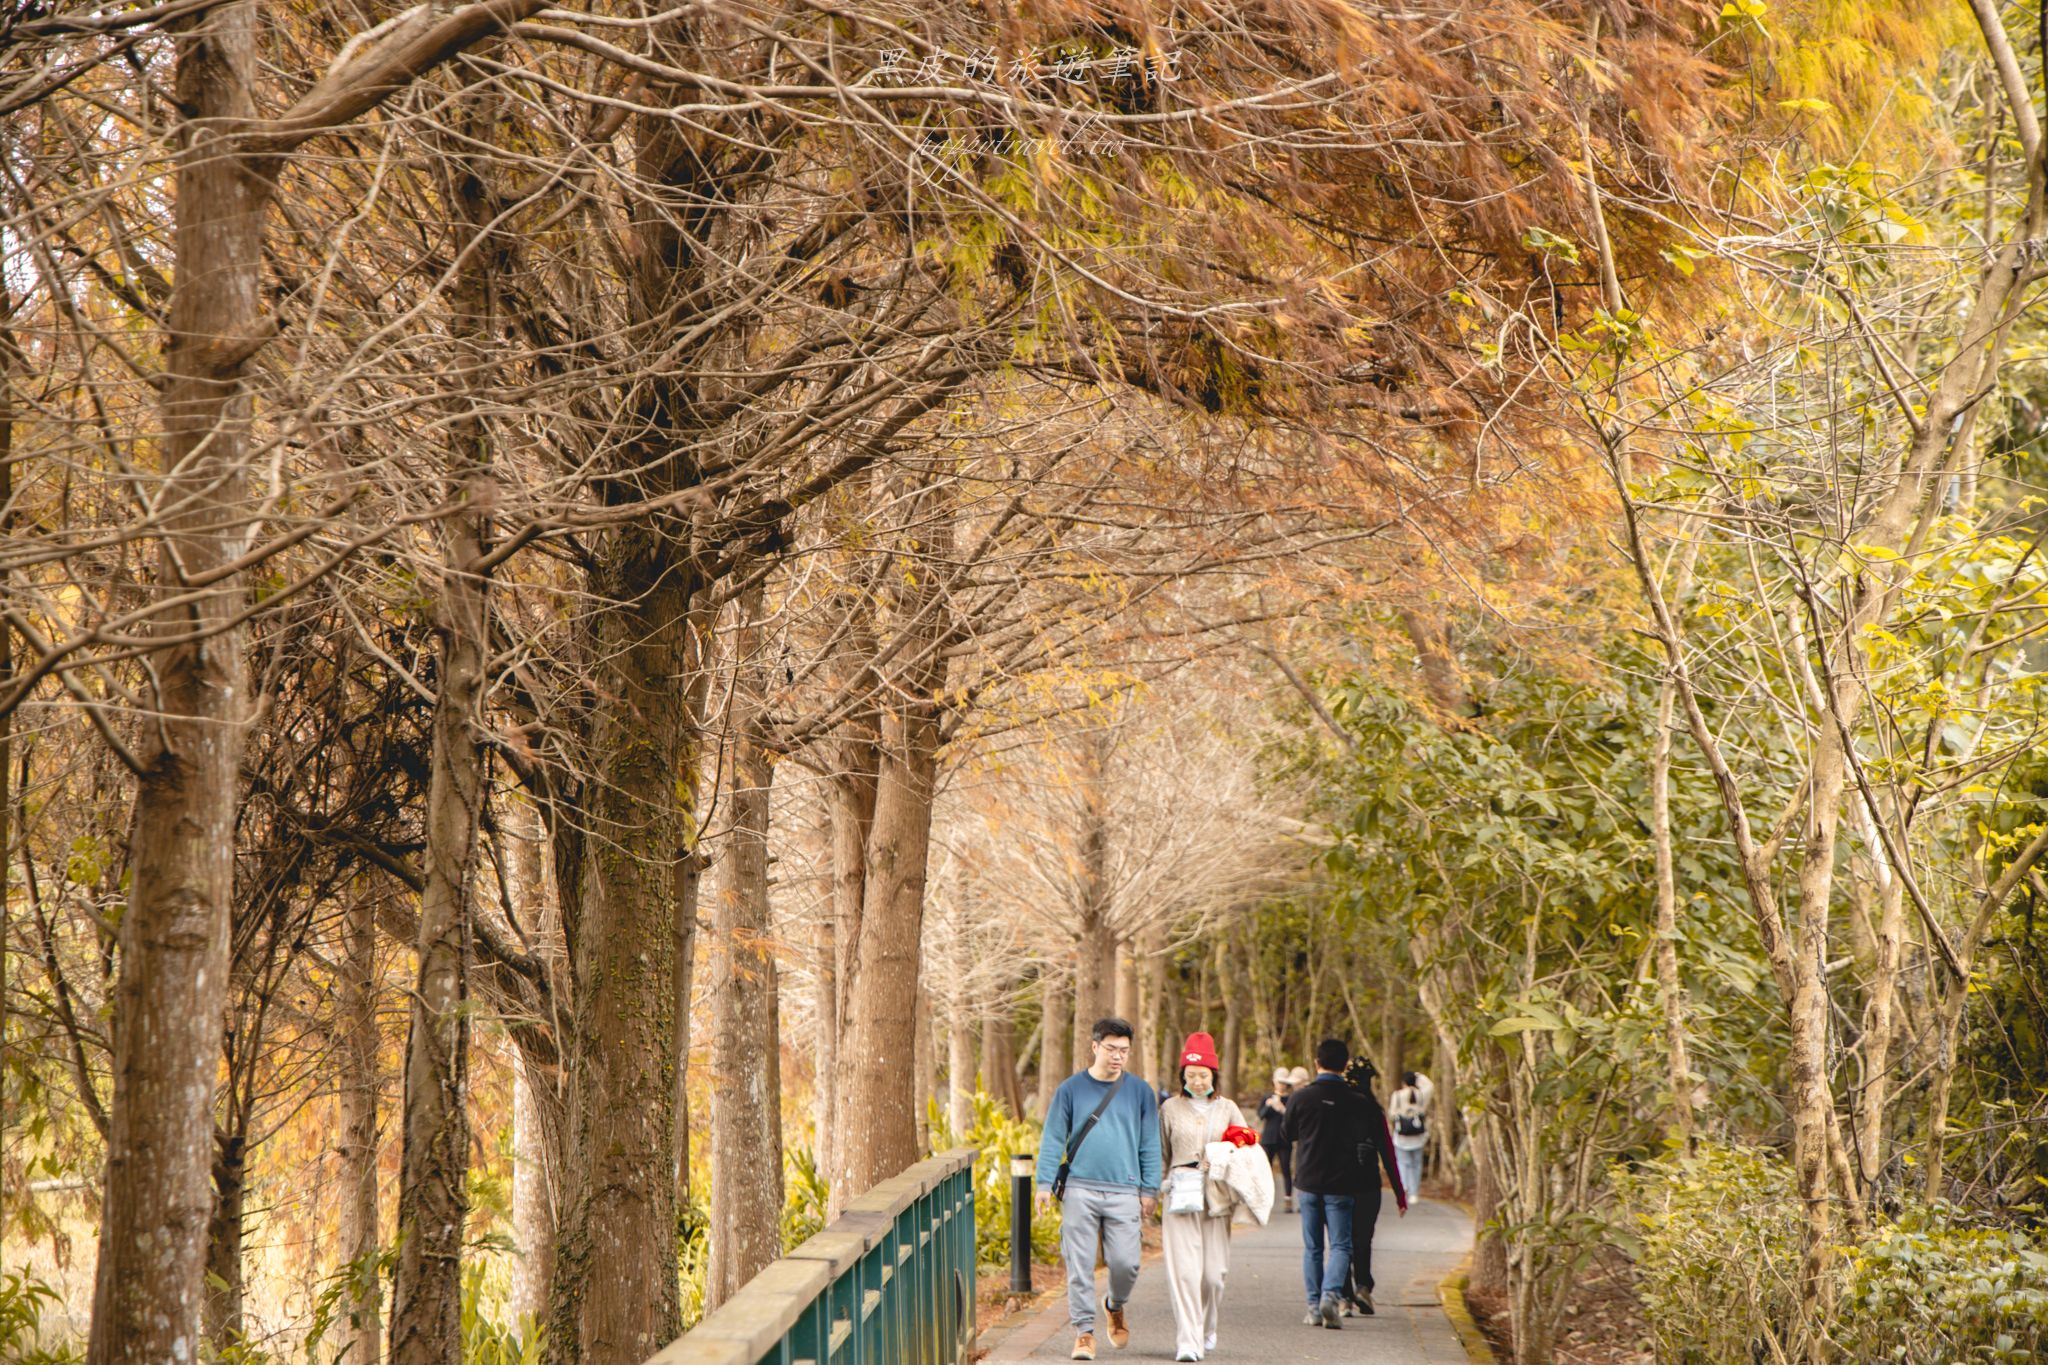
x,y
1116,1049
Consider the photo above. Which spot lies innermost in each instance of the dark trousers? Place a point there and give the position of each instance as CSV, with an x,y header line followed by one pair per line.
x,y
1364,1215
1282,1152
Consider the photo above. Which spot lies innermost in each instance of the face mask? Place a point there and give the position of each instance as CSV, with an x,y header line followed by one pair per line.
x,y
1204,1093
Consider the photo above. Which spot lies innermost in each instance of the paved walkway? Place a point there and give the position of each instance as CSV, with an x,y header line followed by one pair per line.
x,y
1263,1304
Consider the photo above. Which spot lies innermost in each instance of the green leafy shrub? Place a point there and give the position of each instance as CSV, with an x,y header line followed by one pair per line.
x,y
238,1350
22,1300
1716,1245
998,1137
487,1341
1715,1238
693,1254
805,1194
358,1285
1923,1290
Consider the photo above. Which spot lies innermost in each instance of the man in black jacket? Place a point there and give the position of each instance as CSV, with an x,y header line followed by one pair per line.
x,y
1331,1127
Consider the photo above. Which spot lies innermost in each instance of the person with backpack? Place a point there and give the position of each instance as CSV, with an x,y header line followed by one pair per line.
x,y
1099,1158
1332,1128
1408,1107
1376,1151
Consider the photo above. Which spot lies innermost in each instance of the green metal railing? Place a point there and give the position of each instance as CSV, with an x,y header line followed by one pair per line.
x,y
890,1281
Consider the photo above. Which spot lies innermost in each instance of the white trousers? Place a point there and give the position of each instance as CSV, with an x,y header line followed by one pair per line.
x,y
1197,1250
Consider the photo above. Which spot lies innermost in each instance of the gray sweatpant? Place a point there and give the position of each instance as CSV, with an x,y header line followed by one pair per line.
x,y
1089,1212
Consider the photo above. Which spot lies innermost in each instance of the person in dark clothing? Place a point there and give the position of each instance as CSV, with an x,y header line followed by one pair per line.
x,y
1272,1113
1365,1213
1331,1127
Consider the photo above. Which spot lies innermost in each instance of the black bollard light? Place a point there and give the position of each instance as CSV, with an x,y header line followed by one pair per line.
x,y
1022,1166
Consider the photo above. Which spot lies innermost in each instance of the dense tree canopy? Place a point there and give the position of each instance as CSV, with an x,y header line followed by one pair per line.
x,y
593,598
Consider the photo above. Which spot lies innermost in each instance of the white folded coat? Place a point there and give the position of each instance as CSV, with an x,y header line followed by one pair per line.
x,y
1247,1173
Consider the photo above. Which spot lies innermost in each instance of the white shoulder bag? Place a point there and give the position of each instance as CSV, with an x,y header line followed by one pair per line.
x,y
1184,1190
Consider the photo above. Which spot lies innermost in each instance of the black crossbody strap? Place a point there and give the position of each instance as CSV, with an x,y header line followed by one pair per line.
x,y
1059,1180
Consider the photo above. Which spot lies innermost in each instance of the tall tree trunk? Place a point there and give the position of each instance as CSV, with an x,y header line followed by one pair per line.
x,y
689,875
1094,983
1880,1024
1265,1002
433,1180
1055,987
8,352
1233,1049
1125,1006
1233,1019
1446,1128
999,1057
824,1003
536,1082
881,1128
616,1293
1158,1041
924,1065
224,1241
1934,1172
1023,1070
173,975
824,1036
1813,1099
356,1144
1095,950
536,1156
853,817
1490,1254
746,1082
1670,987
959,1073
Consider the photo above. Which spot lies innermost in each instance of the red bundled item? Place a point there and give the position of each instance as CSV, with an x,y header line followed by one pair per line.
x,y
1240,1136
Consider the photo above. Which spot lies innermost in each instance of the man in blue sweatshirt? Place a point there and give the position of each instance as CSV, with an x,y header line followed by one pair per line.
x,y
1112,1178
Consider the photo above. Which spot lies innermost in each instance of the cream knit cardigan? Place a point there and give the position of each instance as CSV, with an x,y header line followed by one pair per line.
x,y
1182,1133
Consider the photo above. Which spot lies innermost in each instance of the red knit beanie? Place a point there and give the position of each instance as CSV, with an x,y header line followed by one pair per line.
x,y
1199,1050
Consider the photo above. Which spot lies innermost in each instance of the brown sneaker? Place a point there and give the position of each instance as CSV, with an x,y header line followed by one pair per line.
x,y
1119,1331
1084,1347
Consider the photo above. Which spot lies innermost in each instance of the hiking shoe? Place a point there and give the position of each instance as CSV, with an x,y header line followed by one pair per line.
x,y
1119,1330
1314,1319
1363,1298
1084,1347
1330,1316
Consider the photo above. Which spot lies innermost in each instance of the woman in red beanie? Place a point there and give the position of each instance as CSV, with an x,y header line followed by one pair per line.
x,y
1196,1240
